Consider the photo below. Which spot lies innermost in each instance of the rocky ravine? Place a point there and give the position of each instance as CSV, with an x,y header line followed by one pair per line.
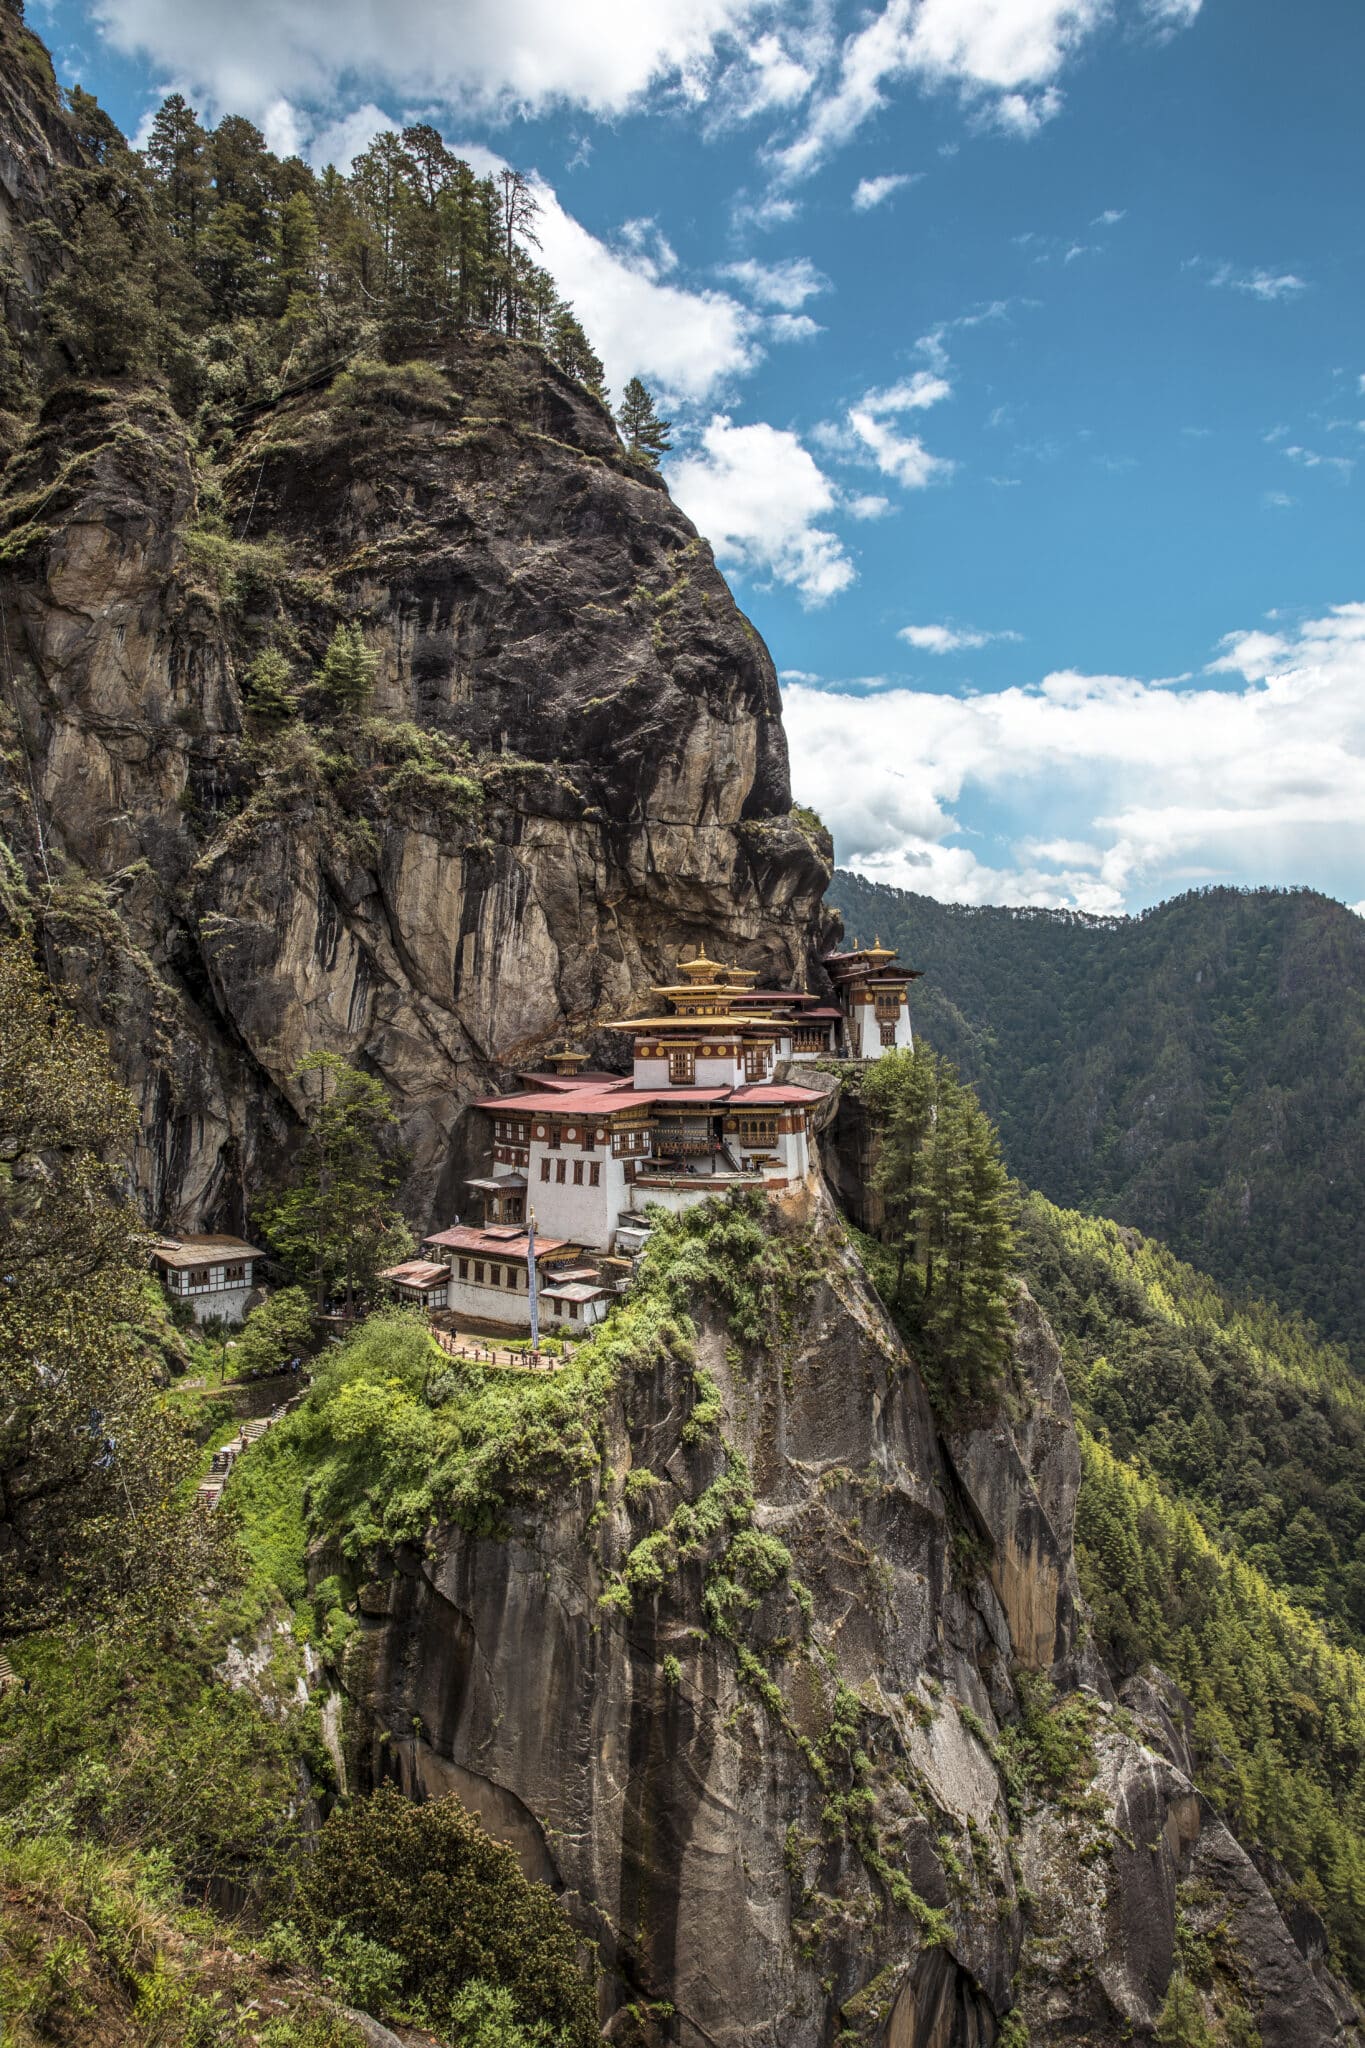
x,y
784,1820
231,894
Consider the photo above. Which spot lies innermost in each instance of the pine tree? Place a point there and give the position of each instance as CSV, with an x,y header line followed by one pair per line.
x,y
646,436
1182,2023
346,677
517,211
101,310
337,1220
271,692
177,155
949,1218
574,353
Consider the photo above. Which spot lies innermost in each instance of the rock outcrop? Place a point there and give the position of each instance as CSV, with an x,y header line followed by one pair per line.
x,y
572,764
796,1803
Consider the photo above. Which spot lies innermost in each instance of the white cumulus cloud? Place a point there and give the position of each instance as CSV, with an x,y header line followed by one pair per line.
x,y
788,284
689,343
867,432
761,499
1257,768
948,639
870,192
1003,56
498,56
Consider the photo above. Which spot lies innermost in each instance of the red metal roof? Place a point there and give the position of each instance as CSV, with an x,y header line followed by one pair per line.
x,y
581,1102
586,1106
488,1245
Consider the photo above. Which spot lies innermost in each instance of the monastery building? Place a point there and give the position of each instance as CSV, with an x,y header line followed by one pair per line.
x,y
701,1112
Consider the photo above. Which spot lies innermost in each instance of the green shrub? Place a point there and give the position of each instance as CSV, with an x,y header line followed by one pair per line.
x,y
426,1888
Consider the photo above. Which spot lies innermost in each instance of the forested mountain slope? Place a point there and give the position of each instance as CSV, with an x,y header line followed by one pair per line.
x,y
1198,1071
1221,1533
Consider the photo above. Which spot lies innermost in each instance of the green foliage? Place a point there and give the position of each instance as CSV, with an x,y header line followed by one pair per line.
x,y
95,1939
420,1905
279,1330
1181,2022
1221,1499
1048,1753
265,1509
94,1525
646,435
1279,1711
208,257
1238,1410
949,1222
346,678
425,767
138,1750
271,691
234,569
336,1220
1198,1070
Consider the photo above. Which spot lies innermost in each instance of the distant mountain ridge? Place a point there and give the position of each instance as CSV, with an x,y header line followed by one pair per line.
x,y
1198,1071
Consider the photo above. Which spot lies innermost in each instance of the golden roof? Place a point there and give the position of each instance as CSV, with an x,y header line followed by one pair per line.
x,y
701,969
714,1021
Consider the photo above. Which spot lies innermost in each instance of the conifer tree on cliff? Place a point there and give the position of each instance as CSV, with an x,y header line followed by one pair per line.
x,y
336,1221
646,436
949,1210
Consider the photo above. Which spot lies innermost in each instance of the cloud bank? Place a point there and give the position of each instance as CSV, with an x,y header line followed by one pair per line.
x,y
760,498
492,56
1148,787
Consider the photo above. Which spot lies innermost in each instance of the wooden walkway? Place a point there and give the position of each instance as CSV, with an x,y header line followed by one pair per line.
x,y
483,1351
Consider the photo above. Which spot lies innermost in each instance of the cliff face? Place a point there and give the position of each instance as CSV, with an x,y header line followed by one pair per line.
x,y
781,1799
232,893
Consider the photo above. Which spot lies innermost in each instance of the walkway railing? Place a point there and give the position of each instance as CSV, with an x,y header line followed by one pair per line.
x,y
483,1351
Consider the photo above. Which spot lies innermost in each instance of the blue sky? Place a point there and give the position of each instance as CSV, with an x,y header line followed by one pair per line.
x,y
1016,355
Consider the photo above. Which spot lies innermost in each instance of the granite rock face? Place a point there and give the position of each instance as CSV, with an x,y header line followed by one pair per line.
x,y
232,894
791,1825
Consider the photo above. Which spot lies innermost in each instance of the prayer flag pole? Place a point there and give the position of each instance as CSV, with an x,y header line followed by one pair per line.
x,y
533,1285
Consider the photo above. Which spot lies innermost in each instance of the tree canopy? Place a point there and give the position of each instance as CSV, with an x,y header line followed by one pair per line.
x,y
646,436
94,1519
949,1218
448,1906
211,259
334,1219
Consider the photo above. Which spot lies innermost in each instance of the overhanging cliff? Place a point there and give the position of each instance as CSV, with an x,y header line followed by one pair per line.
x,y
572,763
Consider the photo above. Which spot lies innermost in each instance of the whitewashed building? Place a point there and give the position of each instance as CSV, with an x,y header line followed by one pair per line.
x,y
213,1273
872,990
